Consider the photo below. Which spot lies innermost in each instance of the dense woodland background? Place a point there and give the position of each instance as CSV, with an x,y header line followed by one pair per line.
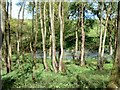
x,y
63,45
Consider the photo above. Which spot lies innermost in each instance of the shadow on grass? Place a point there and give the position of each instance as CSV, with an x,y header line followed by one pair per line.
x,y
7,83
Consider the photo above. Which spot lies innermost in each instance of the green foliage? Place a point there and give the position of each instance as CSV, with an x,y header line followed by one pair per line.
x,y
74,77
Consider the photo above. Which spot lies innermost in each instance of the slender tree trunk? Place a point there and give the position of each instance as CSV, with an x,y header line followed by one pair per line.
x,y
61,17
51,7
1,32
76,32
8,34
110,41
118,43
35,42
7,60
10,51
7,40
36,33
44,41
32,30
76,42
10,8
115,43
21,28
110,46
45,19
43,31
104,38
82,62
5,28
2,27
50,40
100,42
103,42
115,75
18,32
117,63
50,48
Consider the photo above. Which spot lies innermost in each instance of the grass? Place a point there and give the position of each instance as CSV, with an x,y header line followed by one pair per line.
x,y
74,77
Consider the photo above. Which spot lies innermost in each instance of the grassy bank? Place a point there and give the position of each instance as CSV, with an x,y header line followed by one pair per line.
x,y
73,77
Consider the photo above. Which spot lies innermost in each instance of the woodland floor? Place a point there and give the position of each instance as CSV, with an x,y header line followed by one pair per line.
x,y
73,77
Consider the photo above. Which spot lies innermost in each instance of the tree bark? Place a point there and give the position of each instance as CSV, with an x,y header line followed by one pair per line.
x,y
36,32
61,17
51,9
45,19
118,43
110,41
99,63
117,63
50,43
76,35
10,51
8,35
6,28
104,38
115,75
1,32
82,62
50,39
100,44
18,32
7,40
32,30
76,32
35,42
21,28
103,45
43,31
50,48
2,28
10,8
115,42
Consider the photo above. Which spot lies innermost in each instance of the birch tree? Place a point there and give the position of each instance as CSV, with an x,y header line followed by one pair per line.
x,y
43,31
35,42
101,52
99,63
1,32
61,19
51,9
5,28
10,51
32,29
82,62
18,31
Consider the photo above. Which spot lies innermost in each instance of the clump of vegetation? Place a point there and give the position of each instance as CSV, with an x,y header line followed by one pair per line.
x,y
74,77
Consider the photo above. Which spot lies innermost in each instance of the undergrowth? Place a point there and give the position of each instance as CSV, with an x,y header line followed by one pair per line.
x,y
74,77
